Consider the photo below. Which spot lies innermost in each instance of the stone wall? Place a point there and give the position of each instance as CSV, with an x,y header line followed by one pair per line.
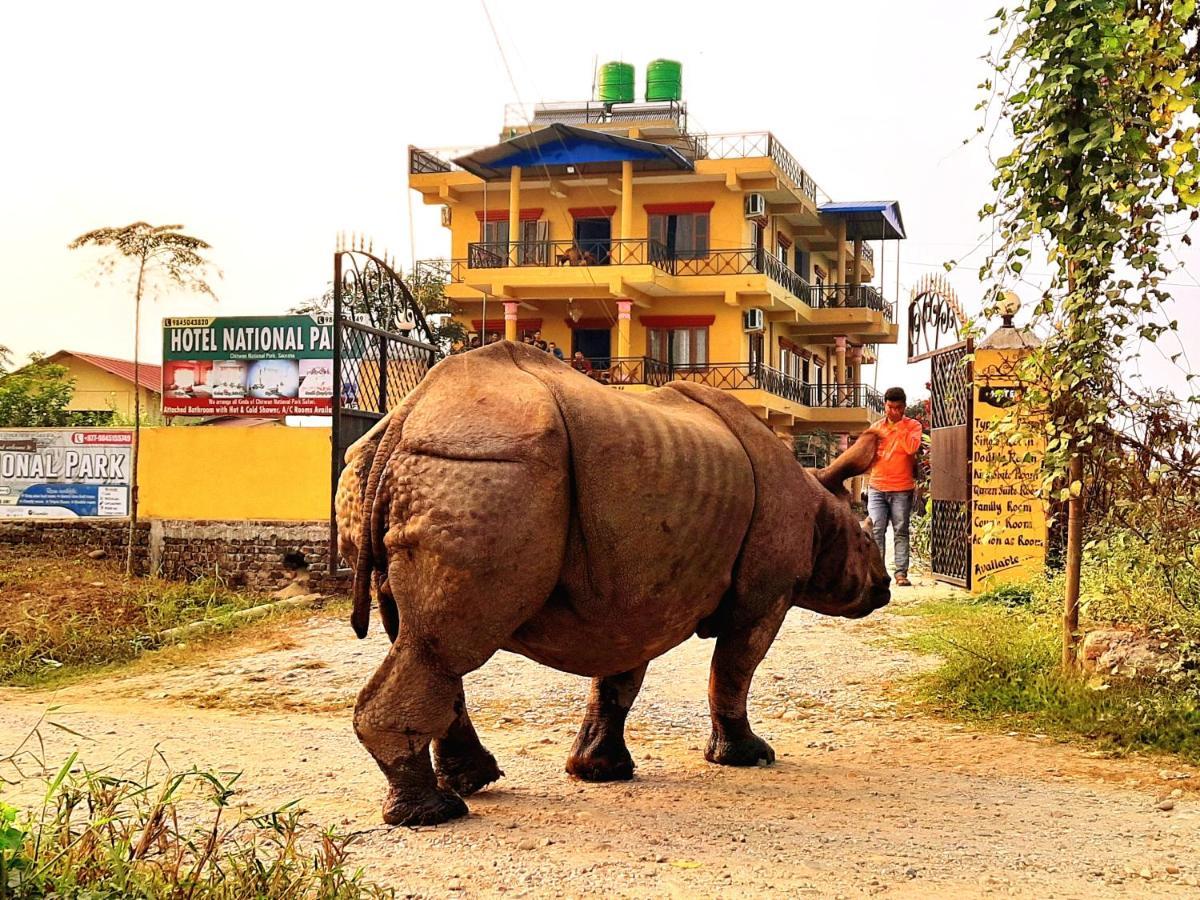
x,y
263,556
260,556
82,535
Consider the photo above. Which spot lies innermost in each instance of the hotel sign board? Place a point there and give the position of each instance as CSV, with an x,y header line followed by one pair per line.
x,y
248,366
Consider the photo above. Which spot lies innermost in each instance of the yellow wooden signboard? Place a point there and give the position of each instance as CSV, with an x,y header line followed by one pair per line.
x,y
1008,521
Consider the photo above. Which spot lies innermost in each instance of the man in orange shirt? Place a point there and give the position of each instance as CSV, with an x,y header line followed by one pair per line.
x,y
890,492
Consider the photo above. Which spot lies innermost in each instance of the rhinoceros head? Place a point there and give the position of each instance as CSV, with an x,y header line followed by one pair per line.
x,y
849,577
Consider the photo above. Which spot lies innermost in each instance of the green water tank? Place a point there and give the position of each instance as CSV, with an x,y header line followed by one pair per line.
x,y
664,80
616,83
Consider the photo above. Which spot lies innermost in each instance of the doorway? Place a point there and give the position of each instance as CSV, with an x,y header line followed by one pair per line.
x,y
594,236
595,344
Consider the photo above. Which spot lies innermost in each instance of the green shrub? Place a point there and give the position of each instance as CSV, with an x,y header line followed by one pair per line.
x,y
1002,666
167,835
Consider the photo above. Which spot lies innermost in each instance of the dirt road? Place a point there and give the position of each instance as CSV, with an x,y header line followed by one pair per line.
x,y
864,800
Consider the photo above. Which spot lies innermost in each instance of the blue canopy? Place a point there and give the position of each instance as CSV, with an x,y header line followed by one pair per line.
x,y
868,220
554,148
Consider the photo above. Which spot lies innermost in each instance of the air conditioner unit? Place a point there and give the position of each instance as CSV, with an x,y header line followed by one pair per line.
x,y
753,320
445,217
756,206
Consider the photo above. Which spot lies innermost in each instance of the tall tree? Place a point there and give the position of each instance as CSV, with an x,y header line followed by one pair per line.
x,y
1101,99
162,258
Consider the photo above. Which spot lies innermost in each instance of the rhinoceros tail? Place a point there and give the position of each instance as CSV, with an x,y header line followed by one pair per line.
x,y
366,565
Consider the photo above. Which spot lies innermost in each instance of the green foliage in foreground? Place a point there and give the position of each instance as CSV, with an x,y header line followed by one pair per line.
x,y
167,835
1000,665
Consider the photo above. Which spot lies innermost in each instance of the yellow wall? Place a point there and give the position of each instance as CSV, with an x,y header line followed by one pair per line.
x,y
98,390
199,472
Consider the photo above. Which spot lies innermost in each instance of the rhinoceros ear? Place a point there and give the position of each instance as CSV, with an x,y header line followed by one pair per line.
x,y
855,460
868,525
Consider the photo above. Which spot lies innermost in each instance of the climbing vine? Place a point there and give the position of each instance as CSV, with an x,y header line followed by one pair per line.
x,y
1096,102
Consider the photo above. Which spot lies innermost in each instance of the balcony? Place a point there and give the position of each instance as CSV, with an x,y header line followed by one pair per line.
x,y
615,252
643,251
761,144
644,370
849,296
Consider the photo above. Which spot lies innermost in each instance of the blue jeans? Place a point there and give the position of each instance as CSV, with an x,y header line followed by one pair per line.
x,y
894,507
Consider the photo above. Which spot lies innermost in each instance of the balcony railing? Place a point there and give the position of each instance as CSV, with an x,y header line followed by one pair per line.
x,y
730,377
850,296
643,251
431,160
761,143
617,252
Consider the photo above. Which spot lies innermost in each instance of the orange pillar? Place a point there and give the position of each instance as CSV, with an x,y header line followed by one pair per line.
x,y
514,213
510,320
626,202
840,278
624,308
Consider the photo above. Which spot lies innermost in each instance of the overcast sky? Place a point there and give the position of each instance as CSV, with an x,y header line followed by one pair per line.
x,y
268,128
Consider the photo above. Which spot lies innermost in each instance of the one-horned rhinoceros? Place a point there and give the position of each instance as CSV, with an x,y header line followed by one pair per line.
x,y
513,503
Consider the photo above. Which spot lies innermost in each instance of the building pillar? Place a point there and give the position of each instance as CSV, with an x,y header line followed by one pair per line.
x,y
624,308
514,213
841,253
626,202
510,320
839,365
856,274
855,357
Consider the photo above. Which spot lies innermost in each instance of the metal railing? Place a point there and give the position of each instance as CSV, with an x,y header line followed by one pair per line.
x,y
764,144
850,296
519,117
729,377
788,278
643,251
624,369
615,252
843,395
431,160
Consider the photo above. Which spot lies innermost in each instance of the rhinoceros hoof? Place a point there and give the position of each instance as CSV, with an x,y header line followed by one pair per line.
x,y
439,806
748,751
601,768
466,776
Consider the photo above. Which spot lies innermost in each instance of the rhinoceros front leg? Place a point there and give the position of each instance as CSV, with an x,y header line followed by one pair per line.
x,y
408,703
740,648
600,753
461,762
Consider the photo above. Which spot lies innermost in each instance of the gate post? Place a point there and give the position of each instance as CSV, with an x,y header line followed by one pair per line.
x,y
1009,532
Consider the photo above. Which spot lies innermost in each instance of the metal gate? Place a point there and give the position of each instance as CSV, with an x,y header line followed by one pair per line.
x,y
382,348
934,316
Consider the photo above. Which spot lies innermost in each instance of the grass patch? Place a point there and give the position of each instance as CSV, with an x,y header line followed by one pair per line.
x,y
61,616
1000,666
165,834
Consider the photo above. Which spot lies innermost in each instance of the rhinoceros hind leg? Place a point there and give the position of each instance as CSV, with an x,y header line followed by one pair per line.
x,y
740,648
408,703
461,762
600,753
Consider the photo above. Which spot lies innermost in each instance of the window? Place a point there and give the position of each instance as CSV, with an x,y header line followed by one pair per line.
x,y
678,346
756,349
534,249
494,232
803,264
684,235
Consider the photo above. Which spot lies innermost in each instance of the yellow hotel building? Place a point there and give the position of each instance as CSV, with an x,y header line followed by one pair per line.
x,y
660,253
